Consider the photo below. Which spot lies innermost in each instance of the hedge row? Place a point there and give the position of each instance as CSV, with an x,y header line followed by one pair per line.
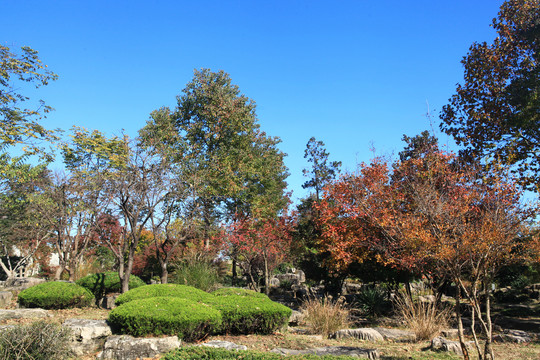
x,y
208,353
55,295
157,309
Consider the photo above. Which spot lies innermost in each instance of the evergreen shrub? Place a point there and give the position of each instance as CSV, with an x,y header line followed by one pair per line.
x,y
187,319
162,290
55,295
228,291
101,284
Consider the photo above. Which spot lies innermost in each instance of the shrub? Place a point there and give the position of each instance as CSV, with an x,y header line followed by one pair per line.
x,y
325,316
165,316
247,315
239,292
55,295
36,341
201,275
373,301
207,353
101,284
425,319
162,290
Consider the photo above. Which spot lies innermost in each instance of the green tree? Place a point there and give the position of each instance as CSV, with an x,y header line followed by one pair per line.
x,y
495,113
322,170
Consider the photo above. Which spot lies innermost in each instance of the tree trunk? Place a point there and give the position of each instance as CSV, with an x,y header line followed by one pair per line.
x,y
266,275
234,272
460,324
58,273
164,272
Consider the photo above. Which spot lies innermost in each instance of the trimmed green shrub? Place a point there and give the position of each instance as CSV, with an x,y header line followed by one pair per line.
x,y
208,353
248,315
101,284
55,295
165,316
170,290
228,291
37,341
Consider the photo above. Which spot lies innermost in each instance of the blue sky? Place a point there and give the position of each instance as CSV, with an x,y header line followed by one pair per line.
x,y
351,73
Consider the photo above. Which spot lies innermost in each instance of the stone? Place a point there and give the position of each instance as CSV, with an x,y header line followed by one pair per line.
x,y
5,298
108,302
87,335
223,345
450,333
125,347
441,344
513,336
22,283
334,351
296,317
301,276
274,282
366,334
23,314
397,335
300,290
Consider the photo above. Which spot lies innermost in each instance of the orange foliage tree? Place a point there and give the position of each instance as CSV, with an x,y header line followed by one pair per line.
x,y
432,214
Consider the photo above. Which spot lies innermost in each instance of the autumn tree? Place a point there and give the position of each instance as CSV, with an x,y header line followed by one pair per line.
x,y
494,114
430,214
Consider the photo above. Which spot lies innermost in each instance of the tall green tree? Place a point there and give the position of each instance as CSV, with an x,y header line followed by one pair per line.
x,y
322,170
495,113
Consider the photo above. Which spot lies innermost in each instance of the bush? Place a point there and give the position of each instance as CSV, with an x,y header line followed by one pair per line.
x,y
36,341
247,315
101,284
373,301
165,316
208,353
55,295
425,319
325,316
239,292
201,275
162,290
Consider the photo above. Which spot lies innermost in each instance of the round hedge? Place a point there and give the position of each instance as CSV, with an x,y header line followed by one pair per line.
x,y
170,290
248,315
165,316
55,295
101,284
228,291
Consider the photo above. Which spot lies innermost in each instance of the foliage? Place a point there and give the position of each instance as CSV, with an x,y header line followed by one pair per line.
x,y
425,319
322,171
165,316
101,284
494,113
164,290
36,341
55,295
373,300
325,316
234,291
201,275
208,353
248,314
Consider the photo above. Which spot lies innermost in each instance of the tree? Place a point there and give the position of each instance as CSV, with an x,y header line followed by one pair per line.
x,y
322,171
430,214
495,112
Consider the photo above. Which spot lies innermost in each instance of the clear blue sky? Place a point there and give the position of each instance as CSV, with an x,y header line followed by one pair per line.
x,y
350,73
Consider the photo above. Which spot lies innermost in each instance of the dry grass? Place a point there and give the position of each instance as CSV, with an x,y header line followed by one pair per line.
x,y
325,316
425,319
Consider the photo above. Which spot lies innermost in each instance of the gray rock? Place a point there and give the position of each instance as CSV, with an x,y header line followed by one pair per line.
x,y
366,334
274,282
125,347
107,302
450,333
296,317
334,351
397,335
442,344
23,314
22,283
223,345
5,298
513,336
88,335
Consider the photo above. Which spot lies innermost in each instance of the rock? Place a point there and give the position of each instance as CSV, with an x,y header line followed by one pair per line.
x,y
301,276
22,283
450,333
334,351
5,298
23,314
397,335
88,335
366,334
224,345
442,344
107,302
351,288
125,347
427,298
513,336
274,282
300,290
296,317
